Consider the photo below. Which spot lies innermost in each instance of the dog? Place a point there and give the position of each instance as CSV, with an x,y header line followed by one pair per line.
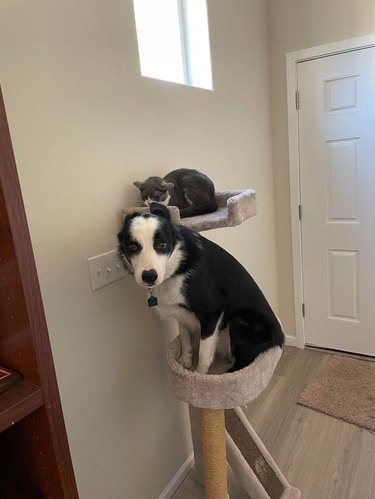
x,y
203,287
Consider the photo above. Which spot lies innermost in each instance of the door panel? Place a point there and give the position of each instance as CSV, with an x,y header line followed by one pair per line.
x,y
337,175
342,184
343,299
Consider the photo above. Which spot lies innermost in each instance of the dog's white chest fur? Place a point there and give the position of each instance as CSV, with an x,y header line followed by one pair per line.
x,y
170,298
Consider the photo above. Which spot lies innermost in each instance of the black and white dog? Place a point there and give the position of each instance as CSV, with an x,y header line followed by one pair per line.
x,y
201,285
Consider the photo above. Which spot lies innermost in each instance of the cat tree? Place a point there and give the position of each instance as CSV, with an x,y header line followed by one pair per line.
x,y
220,430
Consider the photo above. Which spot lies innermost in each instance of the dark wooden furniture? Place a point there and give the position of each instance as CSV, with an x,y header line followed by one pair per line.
x,y
34,453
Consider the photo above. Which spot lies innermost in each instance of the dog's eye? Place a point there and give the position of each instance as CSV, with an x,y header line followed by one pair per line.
x,y
133,247
162,245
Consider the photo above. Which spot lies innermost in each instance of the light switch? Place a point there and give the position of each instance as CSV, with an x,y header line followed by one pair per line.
x,y
105,269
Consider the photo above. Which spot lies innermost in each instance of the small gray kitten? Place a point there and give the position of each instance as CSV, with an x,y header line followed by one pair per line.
x,y
190,190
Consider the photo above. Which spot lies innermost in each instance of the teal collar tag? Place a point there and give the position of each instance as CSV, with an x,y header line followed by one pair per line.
x,y
152,300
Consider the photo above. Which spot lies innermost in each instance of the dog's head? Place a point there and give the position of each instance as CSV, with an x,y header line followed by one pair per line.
x,y
155,190
149,246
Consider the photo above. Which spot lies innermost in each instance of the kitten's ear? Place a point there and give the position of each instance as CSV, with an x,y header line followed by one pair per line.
x,y
167,185
160,210
138,184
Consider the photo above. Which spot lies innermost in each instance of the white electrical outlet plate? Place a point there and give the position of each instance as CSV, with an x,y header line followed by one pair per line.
x,y
105,269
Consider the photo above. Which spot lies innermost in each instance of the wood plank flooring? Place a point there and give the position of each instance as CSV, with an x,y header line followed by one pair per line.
x,y
324,457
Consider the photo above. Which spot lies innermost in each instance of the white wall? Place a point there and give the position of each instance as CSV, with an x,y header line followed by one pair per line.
x,y
294,25
84,126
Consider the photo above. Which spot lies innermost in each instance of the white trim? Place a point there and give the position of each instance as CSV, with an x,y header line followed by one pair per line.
x,y
290,340
292,85
292,59
332,48
179,477
182,16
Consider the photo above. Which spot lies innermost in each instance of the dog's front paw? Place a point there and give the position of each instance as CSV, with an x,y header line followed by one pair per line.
x,y
202,369
186,360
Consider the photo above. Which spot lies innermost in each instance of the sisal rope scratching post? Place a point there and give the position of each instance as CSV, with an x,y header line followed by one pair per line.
x,y
214,453
208,395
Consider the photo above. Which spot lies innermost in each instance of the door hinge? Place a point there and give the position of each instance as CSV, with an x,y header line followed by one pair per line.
x,y
297,99
300,211
303,310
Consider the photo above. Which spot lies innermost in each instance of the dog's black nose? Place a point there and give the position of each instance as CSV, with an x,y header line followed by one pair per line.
x,y
149,276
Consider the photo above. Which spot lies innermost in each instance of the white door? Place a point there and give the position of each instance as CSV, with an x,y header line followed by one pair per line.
x,y
337,175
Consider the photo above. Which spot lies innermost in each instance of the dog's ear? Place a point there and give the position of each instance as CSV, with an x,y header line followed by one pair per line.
x,y
138,184
160,210
120,236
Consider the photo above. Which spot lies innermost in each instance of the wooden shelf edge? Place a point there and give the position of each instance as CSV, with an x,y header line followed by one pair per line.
x,y
18,402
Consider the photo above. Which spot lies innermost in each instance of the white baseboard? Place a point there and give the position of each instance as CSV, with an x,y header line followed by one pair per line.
x,y
179,477
290,340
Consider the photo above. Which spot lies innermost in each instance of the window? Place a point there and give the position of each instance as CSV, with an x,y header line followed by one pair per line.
x,y
173,41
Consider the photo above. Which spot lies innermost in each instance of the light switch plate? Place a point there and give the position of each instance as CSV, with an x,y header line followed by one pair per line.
x,y
105,268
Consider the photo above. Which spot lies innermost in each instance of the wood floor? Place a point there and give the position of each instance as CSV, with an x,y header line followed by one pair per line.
x,y
324,457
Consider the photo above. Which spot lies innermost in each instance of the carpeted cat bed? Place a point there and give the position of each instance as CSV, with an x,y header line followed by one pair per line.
x,y
220,391
234,207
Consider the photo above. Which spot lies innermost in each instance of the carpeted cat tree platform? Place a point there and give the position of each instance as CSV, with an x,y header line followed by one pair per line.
x,y
234,207
220,430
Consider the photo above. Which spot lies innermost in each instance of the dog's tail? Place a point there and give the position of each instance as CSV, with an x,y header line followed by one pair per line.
x,y
251,334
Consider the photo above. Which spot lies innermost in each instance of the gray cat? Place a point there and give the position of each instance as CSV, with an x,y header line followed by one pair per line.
x,y
190,190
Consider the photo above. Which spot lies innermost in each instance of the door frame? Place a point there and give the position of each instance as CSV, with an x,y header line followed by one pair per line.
x,y
292,61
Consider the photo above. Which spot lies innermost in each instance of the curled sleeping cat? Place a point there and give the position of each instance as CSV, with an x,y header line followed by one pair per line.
x,y
190,190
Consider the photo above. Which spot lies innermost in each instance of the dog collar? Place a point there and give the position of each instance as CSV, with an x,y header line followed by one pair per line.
x,y
152,300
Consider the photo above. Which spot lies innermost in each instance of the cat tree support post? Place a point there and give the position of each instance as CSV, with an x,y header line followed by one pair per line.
x,y
214,453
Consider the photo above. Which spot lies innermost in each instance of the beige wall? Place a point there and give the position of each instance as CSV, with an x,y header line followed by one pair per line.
x,y
294,25
85,125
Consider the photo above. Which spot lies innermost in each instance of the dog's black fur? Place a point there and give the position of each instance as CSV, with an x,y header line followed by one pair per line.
x,y
215,284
